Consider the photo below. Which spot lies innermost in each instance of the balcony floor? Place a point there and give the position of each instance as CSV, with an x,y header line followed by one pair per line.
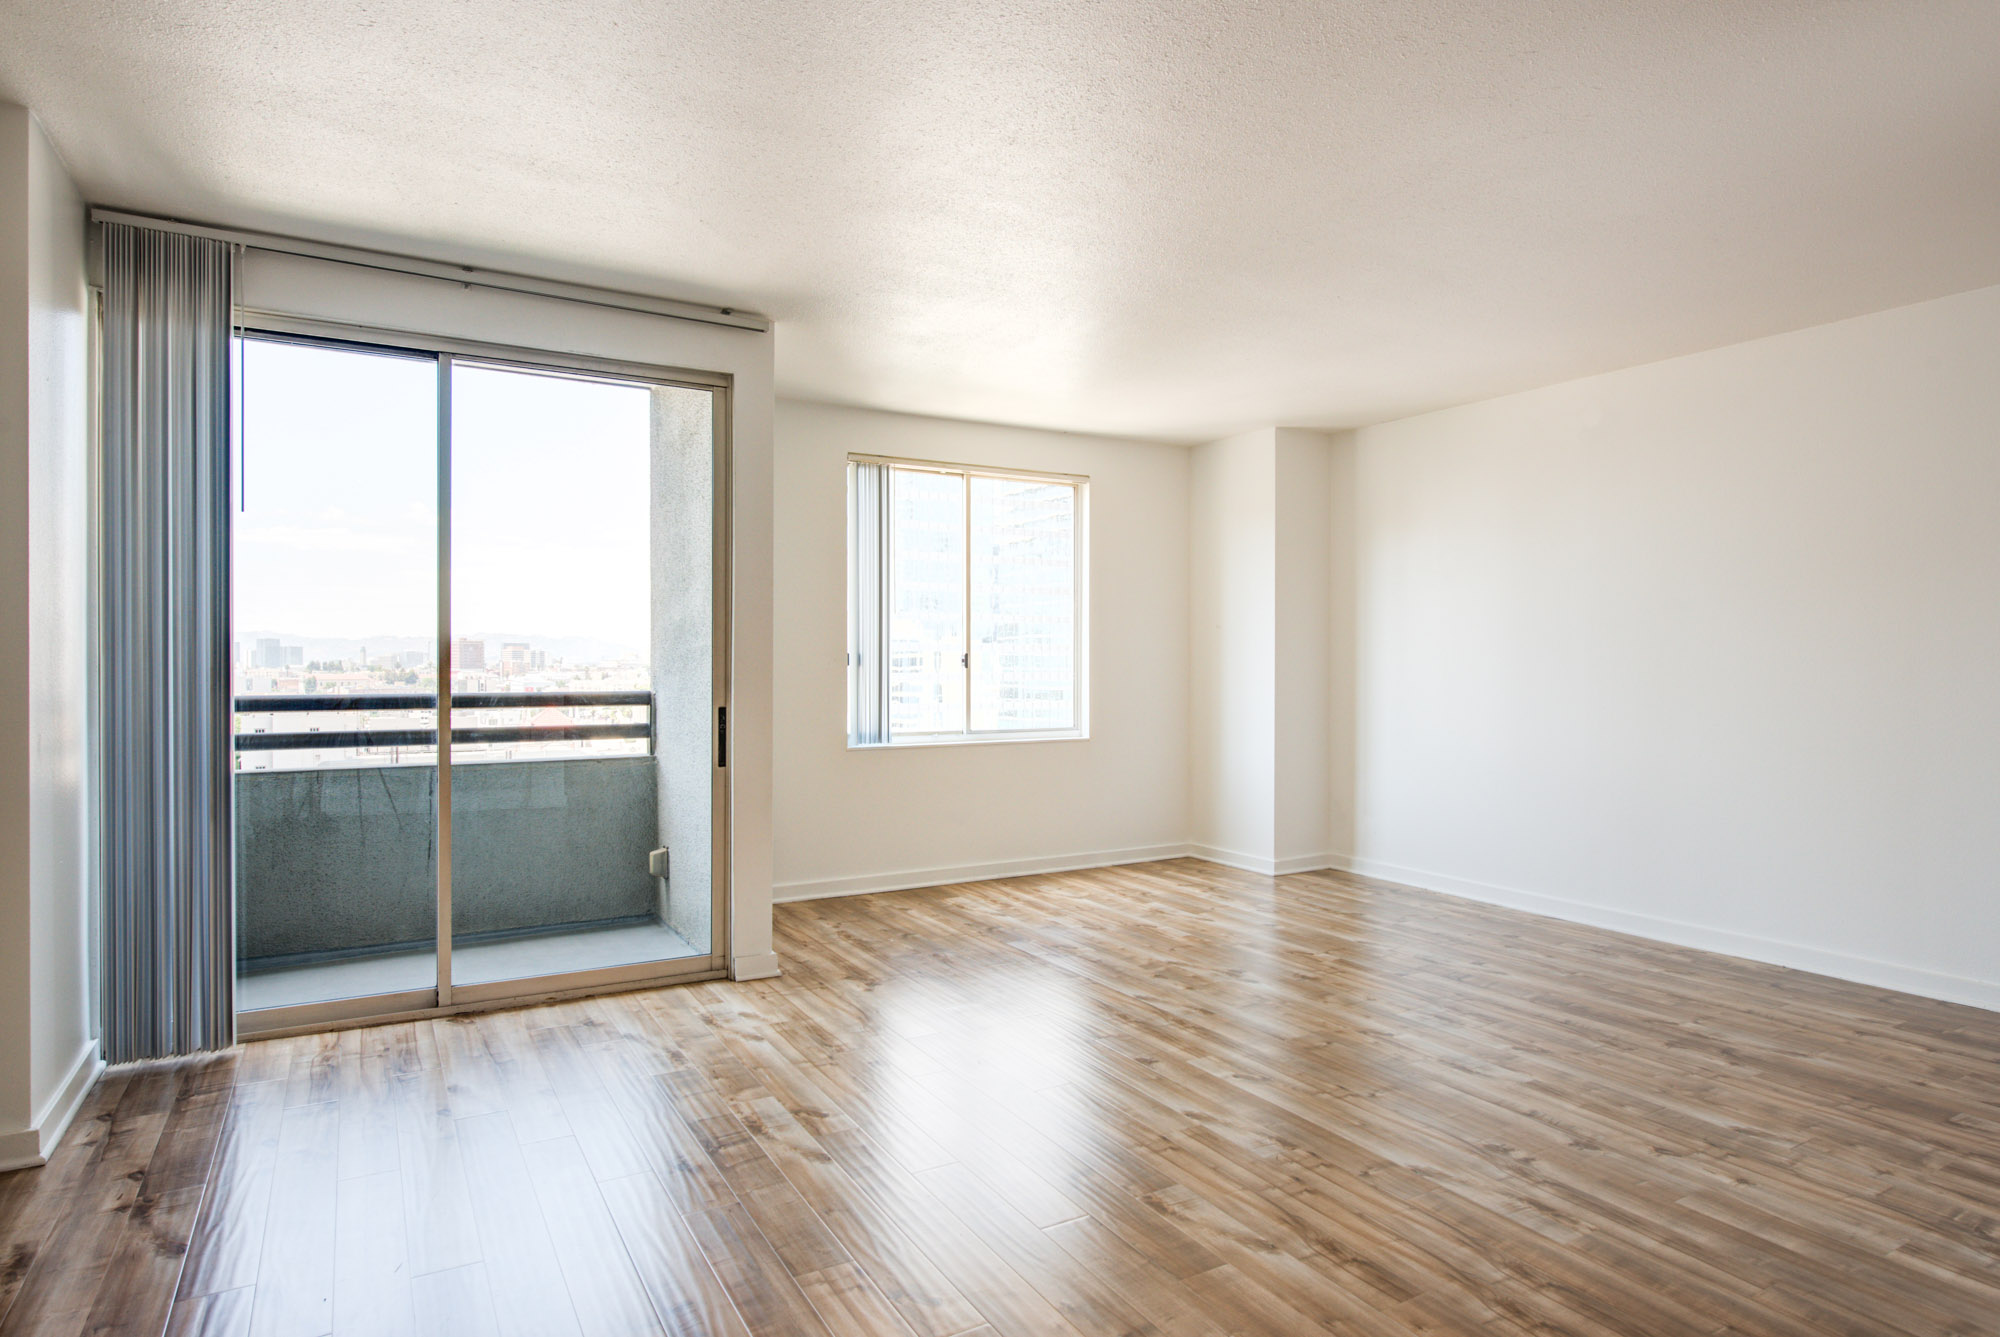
x,y
478,963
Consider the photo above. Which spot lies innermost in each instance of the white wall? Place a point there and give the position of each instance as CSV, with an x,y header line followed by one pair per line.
x,y
864,820
47,1054
16,779
1261,650
1233,647
1707,649
1303,662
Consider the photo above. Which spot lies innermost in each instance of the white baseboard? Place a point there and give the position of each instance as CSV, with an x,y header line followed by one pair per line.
x,y
28,1147
1770,951
978,872
763,966
68,1098
1249,863
1257,863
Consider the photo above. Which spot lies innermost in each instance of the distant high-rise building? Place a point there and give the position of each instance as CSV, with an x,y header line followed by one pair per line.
x,y
514,658
270,652
468,655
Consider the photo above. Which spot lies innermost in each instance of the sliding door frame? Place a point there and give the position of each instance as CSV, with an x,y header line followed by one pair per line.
x,y
441,875
446,997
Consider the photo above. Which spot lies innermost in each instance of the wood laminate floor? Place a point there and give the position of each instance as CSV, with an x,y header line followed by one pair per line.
x,y
1168,1099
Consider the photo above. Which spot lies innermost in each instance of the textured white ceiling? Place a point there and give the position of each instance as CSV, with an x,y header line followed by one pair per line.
x,y
1162,219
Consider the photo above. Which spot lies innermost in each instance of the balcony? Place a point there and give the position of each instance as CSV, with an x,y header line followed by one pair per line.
x,y
337,842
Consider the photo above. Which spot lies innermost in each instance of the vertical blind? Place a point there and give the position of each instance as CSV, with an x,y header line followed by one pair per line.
x,y
164,652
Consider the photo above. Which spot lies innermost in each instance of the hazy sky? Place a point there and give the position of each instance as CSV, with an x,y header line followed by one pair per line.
x,y
337,534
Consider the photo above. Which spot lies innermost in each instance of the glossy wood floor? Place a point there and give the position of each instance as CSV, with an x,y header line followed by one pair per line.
x,y
1166,1099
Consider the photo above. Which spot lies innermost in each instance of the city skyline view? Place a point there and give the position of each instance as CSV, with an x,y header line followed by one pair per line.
x,y
336,549
1003,551
335,529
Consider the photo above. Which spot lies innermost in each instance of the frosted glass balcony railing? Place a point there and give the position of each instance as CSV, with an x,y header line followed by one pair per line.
x,y
336,852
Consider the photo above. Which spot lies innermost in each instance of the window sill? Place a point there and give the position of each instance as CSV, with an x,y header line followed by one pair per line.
x,y
971,740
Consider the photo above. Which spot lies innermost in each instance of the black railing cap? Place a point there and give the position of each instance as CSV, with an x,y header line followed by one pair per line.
x,y
299,701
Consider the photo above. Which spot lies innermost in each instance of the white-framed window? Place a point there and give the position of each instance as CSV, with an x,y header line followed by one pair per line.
x,y
965,601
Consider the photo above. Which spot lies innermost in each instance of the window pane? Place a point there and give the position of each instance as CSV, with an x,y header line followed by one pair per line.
x,y
927,627
1023,604
551,514
581,605
335,548
335,584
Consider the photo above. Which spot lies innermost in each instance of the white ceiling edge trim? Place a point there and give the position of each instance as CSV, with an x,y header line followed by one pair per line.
x,y
731,317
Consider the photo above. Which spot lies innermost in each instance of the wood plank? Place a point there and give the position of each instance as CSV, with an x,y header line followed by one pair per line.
x,y
371,1268
368,1136
218,1314
688,1297
1163,1099
137,1293
35,1203
918,1289
442,1230
603,1286
295,1263
61,1294
763,1292
456,1302
229,1239
530,1298
850,1305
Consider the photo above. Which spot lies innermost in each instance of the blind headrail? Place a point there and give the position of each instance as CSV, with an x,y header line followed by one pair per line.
x,y
501,280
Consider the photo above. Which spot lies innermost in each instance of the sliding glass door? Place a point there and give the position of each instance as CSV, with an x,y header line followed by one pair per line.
x,y
580,634
335,568
527,552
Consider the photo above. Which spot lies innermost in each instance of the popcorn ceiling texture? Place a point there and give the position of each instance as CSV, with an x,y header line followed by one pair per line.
x,y
1170,220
